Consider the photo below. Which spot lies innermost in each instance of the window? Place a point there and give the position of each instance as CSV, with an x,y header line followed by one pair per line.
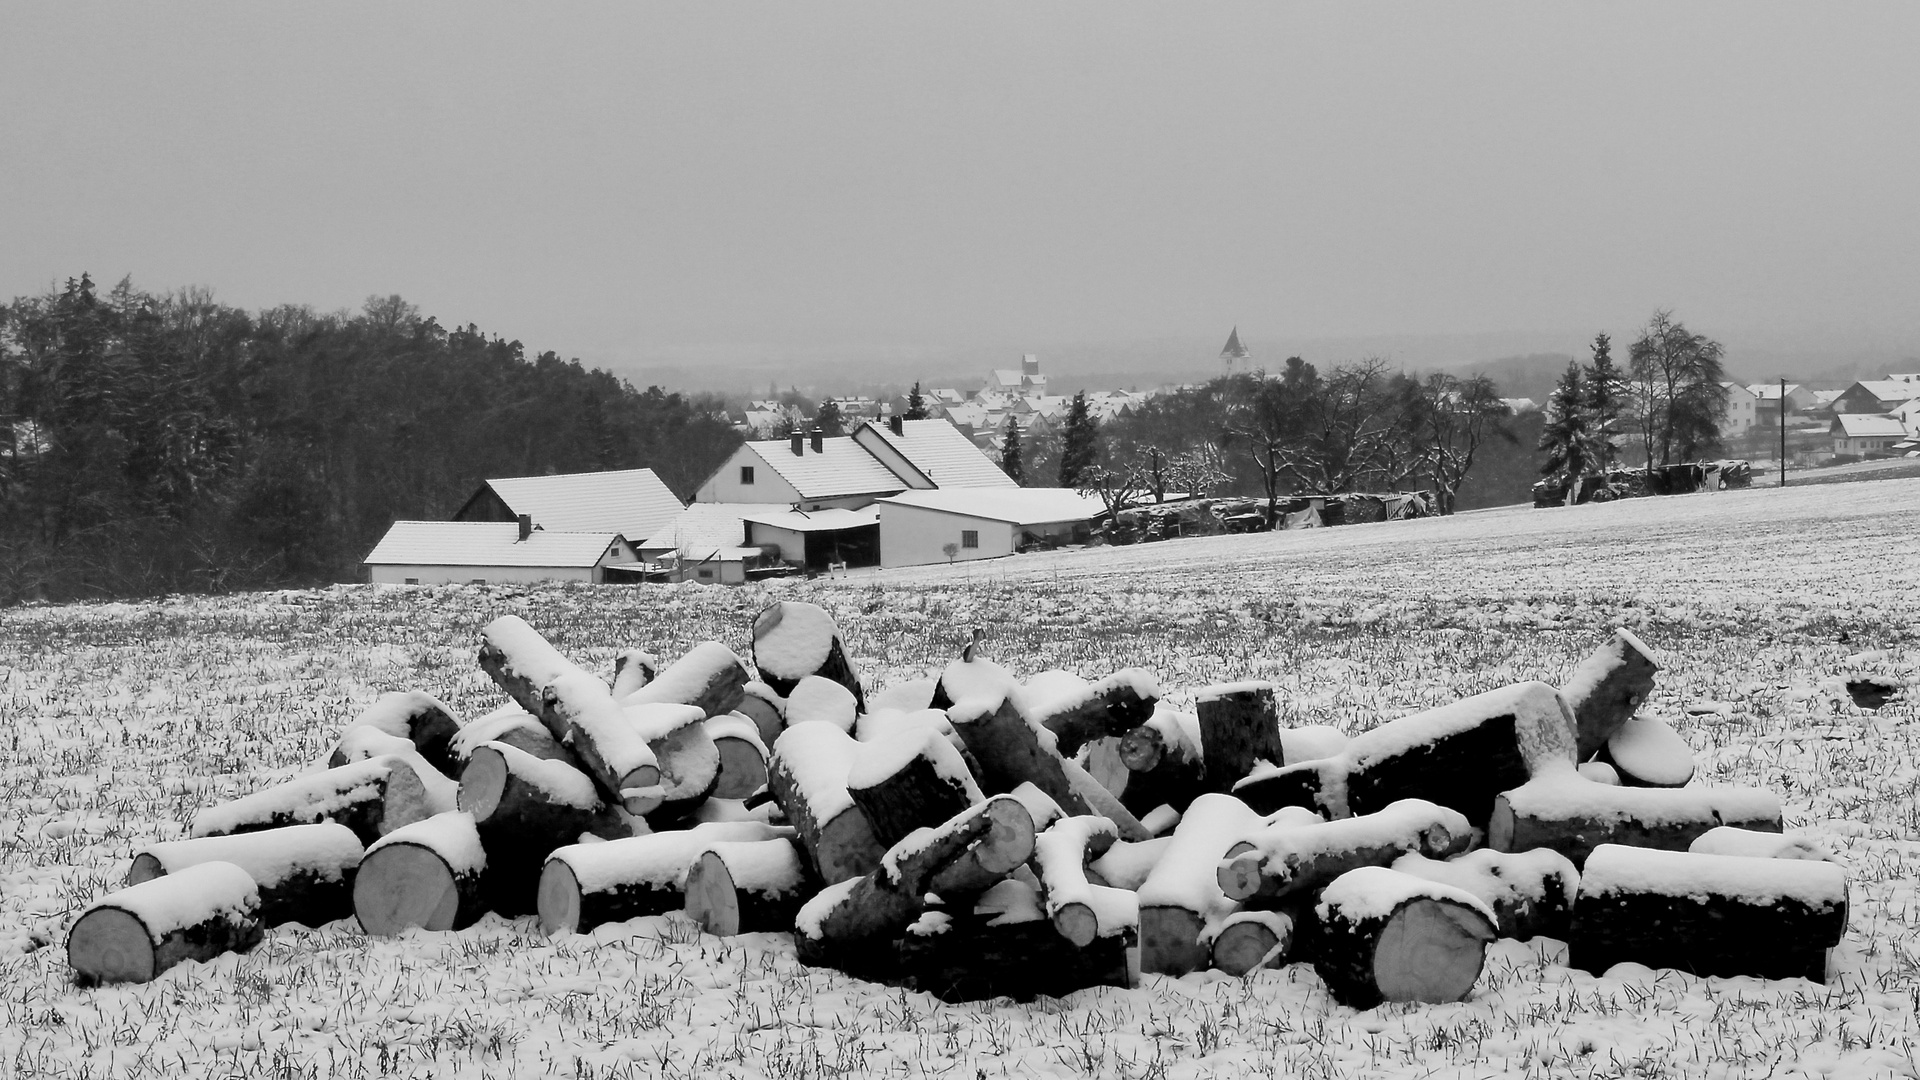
x,y
969,538
478,581
746,474
413,581
705,574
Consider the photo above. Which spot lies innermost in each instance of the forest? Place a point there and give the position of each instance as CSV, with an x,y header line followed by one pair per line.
x,y
163,442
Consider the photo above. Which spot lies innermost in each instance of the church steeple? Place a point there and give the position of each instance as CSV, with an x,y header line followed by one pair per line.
x,y
1234,350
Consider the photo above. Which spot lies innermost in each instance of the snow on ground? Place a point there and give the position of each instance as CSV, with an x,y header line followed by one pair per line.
x,y
118,721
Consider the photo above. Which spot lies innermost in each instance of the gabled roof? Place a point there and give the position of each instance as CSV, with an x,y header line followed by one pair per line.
x,y
1020,506
1868,426
1890,389
1234,350
703,527
840,467
486,543
632,502
1770,391
941,454
829,520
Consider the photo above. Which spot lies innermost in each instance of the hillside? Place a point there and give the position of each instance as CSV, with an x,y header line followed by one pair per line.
x,y
126,718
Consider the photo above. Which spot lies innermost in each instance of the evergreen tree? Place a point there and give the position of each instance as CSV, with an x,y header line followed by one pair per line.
x,y
1010,453
916,404
829,420
1605,386
1078,449
1567,436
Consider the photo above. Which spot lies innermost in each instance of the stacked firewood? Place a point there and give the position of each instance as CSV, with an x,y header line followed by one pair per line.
x,y
980,834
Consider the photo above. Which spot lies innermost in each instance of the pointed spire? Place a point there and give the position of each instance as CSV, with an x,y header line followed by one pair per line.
x,y
1234,350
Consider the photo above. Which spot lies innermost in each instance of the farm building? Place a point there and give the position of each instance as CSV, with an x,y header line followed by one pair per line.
x,y
819,472
1860,434
487,552
818,539
631,502
706,542
916,527
1874,396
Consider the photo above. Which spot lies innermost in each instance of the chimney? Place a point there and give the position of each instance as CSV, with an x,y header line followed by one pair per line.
x,y
526,526
819,441
897,424
797,441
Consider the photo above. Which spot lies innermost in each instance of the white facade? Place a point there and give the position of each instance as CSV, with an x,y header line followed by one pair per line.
x,y
746,478
396,574
917,526
916,536
1741,413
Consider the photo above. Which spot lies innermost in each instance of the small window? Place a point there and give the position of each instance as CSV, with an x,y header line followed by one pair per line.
x,y
746,474
969,538
478,581
705,574
413,581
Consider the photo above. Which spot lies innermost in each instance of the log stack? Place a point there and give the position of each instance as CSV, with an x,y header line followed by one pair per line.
x,y
983,834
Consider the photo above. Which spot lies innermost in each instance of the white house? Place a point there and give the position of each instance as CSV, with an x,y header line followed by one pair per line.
x,y
917,527
631,502
487,552
1860,434
1741,411
812,472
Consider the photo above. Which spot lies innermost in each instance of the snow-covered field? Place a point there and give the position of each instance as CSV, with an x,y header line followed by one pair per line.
x,y
118,721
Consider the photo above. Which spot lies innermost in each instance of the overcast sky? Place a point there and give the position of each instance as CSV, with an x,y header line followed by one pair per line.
x,y
646,183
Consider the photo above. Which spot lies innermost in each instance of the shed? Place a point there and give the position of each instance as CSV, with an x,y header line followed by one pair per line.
x,y
631,502
916,527
816,539
485,552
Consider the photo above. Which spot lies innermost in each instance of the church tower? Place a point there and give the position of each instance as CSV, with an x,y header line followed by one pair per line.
x,y
1234,351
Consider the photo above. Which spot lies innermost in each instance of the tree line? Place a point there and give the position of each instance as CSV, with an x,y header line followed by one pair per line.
x,y
165,442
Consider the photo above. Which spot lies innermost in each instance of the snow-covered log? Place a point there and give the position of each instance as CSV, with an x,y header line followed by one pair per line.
x,y
973,676
822,699
1012,751
808,778
709,677
417,717
1381,935
1646,752
912,780
1239,729
743,756
136,933
1127,864
1081,910
1461,756
525,807
793,639
852,925
427,874
577,708
1003,848
1730,840
585,885
1163,755
633,669
973,956
766,709
1531,893
1606,688
746,886
1573,815
1111,706
304,872
1247,940
1181,895
688,759
1708,914
1286,860
514,726
372,797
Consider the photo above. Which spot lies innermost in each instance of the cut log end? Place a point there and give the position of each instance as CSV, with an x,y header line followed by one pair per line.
x,y
1077,923
558,899
145,868
403,885
1009,839
482,782
1245,946
111,945
1431,951
743,769
712,899
640,791
1239,874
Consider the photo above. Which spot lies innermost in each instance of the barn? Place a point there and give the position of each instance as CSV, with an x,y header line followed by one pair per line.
x,y
955,524
490,552
631,502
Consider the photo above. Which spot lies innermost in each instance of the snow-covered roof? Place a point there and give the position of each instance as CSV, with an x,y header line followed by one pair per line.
x,y
705,526
1518,405
708,554
632,502
486,543
1770,391
941,453
1825,397
970,415
840,467
1891,389
828,520
1868,426
1021,506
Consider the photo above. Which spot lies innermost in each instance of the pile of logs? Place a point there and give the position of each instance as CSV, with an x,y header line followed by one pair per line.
x,y
980,834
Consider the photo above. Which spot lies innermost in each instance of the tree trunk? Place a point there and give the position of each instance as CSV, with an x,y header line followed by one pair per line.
x,y
1381,935
140,931
1723,915
1112,706
976,958
1163,756
709,677
1239,727
632,669
746,886
1248,940
1573,815
1286,860
416,717
1531,893
1006,846
766,709
371,797
427,874
1180,896
1606,688
689,761
1011,751
793,639
1060,856
586,885
514,726
808,778
525,808
743,757
304,873
911,780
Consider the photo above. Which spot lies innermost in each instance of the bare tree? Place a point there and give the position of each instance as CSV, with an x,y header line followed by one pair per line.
x,y
1455,417
1677,377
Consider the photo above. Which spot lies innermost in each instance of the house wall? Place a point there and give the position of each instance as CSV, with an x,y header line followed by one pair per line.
x,y
1869,445
485,505
718,572
397,574
793,543
914,535
725,486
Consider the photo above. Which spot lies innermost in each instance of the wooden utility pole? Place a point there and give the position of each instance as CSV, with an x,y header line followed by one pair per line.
x,y
1783,431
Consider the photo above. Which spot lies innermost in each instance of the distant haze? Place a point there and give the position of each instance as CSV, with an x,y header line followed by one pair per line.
x,y
720,196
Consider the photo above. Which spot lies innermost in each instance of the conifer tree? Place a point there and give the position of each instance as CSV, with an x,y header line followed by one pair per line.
x,y
1077,451
916,404
1010,453
1605,386
1567,437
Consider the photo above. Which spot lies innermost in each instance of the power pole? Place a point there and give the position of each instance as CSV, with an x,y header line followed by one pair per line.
x,y
1783,432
